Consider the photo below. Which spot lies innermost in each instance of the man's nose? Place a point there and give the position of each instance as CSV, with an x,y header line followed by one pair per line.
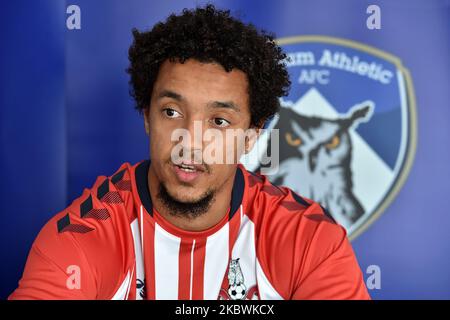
x,y
193,143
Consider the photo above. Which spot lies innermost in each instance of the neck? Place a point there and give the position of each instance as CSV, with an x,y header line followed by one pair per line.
x,y
217,210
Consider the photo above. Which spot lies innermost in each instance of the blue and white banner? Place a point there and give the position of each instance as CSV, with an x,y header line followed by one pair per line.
x,y
364,130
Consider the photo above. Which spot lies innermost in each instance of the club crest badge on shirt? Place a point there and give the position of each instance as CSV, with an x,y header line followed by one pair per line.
x,y
237,290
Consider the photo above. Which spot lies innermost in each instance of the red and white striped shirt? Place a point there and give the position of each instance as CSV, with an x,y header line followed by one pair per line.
x,y
111,243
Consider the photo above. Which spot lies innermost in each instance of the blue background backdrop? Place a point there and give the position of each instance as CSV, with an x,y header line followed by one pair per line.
x,y
66,117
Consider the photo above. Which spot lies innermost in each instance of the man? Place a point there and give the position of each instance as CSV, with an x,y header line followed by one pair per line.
x,y
180,226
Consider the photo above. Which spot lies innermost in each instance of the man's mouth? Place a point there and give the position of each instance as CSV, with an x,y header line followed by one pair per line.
x,y
187,172
187,168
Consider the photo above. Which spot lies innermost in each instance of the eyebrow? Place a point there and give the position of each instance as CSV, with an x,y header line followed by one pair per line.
x,y
170,94
214,104
225,104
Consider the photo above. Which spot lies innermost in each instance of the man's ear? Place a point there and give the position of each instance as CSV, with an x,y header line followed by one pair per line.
x,y
147,120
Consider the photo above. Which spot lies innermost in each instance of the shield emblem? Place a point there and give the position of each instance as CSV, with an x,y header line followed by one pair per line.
x,y
346,131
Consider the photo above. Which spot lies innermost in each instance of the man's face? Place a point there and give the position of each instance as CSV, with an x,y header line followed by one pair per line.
x,y
195,95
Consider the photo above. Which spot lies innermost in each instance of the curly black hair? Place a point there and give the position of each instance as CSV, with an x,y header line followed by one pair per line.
x,y
208,34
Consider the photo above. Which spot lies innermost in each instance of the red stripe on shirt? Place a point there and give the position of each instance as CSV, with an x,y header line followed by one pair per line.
x,y
199,265
184,269
149,256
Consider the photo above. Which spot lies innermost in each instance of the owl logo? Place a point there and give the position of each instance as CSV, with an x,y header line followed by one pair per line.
x,y
236,288
345,133
319,151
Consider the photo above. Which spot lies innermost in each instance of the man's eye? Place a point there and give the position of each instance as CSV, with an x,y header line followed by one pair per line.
x,y
220,122
171,113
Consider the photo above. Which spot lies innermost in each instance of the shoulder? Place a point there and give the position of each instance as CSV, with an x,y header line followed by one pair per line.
x,y
273,207
93,231
293,234
98,207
